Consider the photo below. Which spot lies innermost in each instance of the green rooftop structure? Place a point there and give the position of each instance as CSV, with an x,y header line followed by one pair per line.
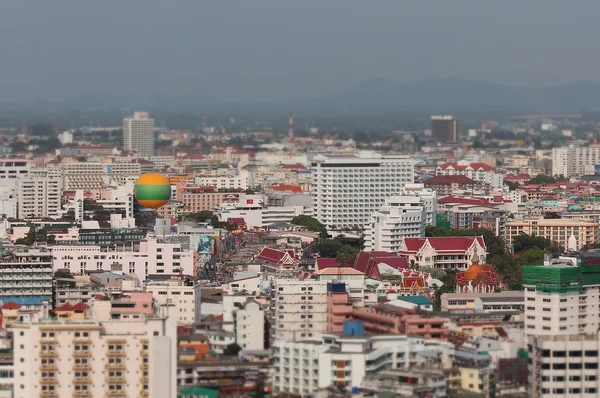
x,y
560,278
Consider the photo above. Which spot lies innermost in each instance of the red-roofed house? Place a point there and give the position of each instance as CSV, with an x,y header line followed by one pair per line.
x,y
10,313
377,264
476,171
281,258
287,188
323,262
447,252
74,312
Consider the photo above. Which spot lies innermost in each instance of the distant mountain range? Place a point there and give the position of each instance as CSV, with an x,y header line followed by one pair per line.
x,y
433,94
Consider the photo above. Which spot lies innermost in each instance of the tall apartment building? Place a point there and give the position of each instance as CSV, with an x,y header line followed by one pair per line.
x,y
559,230
13,169
8,202
562,318
345,361
136,258
184,296
39,193
561,298
136,357
401,217
564,366
96,176
300,308
444,128
138,134
26,272
572,160
347,190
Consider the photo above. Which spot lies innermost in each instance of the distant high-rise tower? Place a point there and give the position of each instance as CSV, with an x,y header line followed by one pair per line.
x,y
444,128
291,127
138,134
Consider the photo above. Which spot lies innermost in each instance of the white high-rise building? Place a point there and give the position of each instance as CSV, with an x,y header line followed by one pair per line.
x,y
8,202
56,358
302,367
400,217
185,297
301,308
40,193
575,161
139,259
138,134
347,190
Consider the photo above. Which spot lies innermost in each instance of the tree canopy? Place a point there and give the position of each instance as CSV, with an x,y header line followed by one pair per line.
x,y
232,349
312,224
346,255
329,248
525,242
542,179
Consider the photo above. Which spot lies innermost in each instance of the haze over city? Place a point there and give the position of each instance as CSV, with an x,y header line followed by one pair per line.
x,y
272,50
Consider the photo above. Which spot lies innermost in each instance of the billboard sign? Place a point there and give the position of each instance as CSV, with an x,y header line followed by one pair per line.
x,y
205,245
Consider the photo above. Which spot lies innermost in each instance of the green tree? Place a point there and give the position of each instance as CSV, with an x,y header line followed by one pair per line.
x,y
346,255
232,349
204,215
329,248
542,179
524,242
413,264
512,185
312,224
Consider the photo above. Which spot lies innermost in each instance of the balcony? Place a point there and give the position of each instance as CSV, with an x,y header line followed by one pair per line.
x,y
49,394
48,380
116,380
82,340
48,367
82,366
82,394
48,354
116,393
115,354
115,366
82,380
78,354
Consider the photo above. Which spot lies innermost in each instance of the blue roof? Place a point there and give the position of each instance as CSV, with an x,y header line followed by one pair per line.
x,y
25,300
420,300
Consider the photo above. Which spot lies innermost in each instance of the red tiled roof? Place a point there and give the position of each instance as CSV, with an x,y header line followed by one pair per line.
x,y
11,305
293,188
324,262
272,256
451,244
81,306
411,282
447,180
236,220
100,297
474,166
64,307
465,201
368,262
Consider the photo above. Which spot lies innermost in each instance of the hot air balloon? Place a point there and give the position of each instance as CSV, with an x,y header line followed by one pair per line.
x,y
152,190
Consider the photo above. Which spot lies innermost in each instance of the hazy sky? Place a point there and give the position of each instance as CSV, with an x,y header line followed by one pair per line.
x,y
280,49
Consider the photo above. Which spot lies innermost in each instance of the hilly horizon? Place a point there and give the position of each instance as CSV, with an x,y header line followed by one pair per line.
x,y
432,94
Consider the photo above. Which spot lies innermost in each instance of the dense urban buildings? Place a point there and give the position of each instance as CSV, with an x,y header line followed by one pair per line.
x,y
138,134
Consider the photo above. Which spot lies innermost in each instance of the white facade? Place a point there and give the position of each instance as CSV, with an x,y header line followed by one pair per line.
x,y
238,179
11,169
303,367
138,134
301,308
250,326
26,271
8,202
564,366
572,161
184,298
559,310
39,194
347,190
264,216
135,358
150,256
95,176
400,217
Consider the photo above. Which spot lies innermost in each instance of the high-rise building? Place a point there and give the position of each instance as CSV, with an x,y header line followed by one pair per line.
x,y
565,232
444,128
138,134
349,189
135,357
26,272
40,193
301,308
575,161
